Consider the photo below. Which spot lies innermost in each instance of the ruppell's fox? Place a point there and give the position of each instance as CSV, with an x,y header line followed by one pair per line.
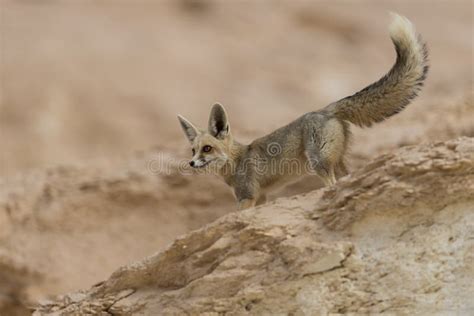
x,y
317,141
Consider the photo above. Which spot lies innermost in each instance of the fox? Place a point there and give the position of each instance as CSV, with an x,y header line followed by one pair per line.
x,y
319,139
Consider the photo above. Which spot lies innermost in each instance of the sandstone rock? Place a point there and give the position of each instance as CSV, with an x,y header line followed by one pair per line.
x,y
396,236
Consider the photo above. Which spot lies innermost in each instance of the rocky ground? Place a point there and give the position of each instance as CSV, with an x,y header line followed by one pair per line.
x,y
92,174
379,241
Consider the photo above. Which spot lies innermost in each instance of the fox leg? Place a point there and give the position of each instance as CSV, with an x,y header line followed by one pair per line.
x,y
262,199
246,203
322,167
341,169
324,146
246,191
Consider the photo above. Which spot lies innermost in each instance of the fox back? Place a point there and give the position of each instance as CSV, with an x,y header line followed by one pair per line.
x,y
315,143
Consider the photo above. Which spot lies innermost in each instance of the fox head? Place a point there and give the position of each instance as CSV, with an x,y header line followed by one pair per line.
x,y
211,147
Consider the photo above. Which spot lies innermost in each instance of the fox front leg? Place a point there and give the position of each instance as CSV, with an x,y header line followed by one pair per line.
x,y
247,193
246,203
262,199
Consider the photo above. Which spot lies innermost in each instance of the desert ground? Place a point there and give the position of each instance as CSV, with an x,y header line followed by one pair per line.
x,y
92,155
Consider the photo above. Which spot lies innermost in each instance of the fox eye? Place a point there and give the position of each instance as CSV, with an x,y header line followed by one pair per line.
x,y
194,151
206,148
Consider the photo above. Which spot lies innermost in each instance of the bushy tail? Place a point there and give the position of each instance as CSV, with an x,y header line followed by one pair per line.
x,y
395,90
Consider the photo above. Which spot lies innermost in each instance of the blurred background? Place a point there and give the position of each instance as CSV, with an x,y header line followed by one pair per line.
x,y
82,80
90,91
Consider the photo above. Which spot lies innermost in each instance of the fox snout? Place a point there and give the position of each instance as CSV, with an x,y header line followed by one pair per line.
x,y
200,162
197,163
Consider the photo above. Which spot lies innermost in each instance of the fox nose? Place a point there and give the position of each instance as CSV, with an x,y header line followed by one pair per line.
x,y
191,163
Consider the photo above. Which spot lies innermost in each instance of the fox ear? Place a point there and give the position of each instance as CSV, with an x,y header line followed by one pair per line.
x,y
218,123
188,128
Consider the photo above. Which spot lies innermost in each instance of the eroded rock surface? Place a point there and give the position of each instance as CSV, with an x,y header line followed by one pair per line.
x,y
396,236
65,228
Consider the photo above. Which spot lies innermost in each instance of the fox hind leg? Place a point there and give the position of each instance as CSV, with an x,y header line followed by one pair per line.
x,y
322,167
341,169
324,149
